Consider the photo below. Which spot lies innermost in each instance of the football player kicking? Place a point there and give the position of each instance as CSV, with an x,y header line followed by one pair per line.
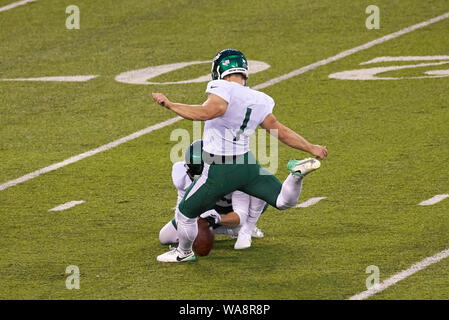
x,y
232,112
228,214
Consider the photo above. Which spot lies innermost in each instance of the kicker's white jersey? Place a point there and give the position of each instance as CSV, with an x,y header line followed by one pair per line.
x,y
247,109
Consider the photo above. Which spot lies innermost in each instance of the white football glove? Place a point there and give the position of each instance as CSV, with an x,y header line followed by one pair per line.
x,y
211,216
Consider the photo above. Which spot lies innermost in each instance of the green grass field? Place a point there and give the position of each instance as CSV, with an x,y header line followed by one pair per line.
x,y
388,143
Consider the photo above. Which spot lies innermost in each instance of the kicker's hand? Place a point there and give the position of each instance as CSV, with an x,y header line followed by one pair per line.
x,y
319,152
161,99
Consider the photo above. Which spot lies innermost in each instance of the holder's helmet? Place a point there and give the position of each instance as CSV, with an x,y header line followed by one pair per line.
x,y
229,61
194,159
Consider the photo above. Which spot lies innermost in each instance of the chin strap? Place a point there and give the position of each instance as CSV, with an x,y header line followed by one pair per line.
x,y
191,175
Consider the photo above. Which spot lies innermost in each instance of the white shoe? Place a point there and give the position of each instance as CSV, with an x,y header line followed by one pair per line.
x,y
175,255
257,233
303,167
234,232
243,241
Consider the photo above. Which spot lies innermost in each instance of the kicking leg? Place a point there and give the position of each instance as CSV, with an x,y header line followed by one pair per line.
x,y
281,196
290,192
292,186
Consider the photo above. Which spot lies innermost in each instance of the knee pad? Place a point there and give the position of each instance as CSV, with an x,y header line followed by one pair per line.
x,y
168,234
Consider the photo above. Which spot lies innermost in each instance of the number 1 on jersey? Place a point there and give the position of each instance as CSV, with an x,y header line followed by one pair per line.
x,y
244,124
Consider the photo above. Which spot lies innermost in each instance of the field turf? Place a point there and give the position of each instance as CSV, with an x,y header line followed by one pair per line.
x,y
388,143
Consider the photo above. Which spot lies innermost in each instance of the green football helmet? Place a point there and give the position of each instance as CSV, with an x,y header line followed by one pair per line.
x,y
194,159
229,61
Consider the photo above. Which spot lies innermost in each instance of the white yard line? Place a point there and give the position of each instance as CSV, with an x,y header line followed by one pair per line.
x,y
257,87
81,156
434,199
414,268
15,4
67,205
405,58
402,275
309,202
56,79
346,53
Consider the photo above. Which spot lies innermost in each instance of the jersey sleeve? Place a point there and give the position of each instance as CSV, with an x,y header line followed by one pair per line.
x,y
219,88
269,106
178,175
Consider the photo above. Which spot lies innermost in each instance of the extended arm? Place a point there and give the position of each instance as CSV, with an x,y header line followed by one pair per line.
x,y
213,107
291,138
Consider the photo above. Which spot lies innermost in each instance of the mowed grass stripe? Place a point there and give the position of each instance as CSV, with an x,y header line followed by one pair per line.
x,y
257,87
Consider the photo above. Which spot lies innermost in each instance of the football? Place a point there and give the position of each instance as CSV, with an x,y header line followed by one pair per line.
x,y
204,240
